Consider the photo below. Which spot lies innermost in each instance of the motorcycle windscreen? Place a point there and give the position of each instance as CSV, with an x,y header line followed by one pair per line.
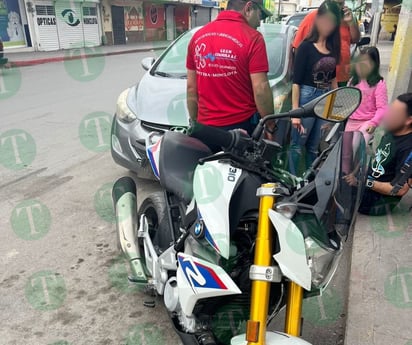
x,y
332,200
213,186
348,177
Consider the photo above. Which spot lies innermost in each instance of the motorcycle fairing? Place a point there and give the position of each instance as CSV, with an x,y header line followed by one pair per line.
x,y
272,338
198,279
292,255
213,185
153,152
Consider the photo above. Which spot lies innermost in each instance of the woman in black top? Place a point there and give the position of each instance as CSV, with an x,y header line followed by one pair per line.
x,y
314,74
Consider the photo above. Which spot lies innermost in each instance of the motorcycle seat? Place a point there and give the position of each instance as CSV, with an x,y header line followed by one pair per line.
x,y
178,158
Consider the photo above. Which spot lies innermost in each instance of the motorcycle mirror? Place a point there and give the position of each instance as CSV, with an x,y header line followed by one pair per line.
x,y
147,63
336,105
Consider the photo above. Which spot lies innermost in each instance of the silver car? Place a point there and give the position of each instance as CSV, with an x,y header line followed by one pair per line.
x,y
158,102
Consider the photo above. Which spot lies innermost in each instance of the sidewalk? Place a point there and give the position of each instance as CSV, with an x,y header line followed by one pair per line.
x,y
28,57
380,285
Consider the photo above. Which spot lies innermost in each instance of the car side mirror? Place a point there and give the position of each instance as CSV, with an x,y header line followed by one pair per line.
x,y
147,63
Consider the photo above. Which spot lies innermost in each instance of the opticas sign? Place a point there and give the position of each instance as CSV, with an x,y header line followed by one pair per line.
x,y
52,21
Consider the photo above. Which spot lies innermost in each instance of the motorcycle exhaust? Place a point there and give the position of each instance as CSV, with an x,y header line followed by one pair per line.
x,y
125,206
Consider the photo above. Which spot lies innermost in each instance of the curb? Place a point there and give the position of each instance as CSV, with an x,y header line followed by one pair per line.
x,y
25,63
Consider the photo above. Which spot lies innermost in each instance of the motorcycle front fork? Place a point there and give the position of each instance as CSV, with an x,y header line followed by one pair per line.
x,y
256,326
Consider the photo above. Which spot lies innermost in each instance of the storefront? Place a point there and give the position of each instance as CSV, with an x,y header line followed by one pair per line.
x,y
13,24
204,13
66,24
130,21
155,25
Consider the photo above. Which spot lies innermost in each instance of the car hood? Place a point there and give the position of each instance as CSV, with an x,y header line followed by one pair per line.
x,y
161,100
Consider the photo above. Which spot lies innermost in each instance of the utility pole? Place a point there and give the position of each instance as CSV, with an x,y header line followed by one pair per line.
x,y
400,67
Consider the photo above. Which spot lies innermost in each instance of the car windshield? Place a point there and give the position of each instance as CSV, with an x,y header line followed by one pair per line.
x,y
173,63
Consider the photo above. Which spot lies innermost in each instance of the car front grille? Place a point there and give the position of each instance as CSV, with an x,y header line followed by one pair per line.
x,y
155,127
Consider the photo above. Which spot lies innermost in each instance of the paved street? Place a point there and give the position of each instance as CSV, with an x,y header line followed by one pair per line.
x,y
62,278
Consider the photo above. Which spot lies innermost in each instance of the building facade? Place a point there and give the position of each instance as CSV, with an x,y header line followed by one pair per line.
x,y
130,21
50,24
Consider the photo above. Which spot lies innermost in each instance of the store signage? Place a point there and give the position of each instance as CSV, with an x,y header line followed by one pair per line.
x,y
46,21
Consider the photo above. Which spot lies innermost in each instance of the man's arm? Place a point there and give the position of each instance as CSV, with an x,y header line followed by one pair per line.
x,y
191,94
262,93
354,32
352,22
385,188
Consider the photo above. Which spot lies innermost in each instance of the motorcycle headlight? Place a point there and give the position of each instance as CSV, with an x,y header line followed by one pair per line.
x,y
123,111
287,209
322,261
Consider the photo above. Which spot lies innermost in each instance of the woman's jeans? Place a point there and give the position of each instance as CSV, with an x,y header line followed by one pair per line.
x,y
311,138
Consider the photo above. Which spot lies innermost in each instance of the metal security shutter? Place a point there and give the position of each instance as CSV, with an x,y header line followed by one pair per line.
x,y
45,26
90,25
201,17
69,24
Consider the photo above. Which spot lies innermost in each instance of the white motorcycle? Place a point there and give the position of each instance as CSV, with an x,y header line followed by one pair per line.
x,y
235,237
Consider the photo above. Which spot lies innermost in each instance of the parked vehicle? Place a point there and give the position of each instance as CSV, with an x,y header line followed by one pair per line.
x,y
158,101
297,18
233,238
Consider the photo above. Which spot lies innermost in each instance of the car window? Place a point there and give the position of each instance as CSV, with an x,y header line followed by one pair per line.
x,y
276,50
173,63
296,20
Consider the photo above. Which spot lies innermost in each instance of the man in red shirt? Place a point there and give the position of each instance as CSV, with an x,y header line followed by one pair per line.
x,y
227,65
349,33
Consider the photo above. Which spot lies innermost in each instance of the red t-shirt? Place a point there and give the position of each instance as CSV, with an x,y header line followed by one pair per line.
x,y
224,53
343,69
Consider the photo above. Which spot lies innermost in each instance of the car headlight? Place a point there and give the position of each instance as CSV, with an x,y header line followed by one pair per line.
x,y
123,111
322,261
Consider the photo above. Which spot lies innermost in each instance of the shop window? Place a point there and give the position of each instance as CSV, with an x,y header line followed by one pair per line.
x,y
44,10
89,11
